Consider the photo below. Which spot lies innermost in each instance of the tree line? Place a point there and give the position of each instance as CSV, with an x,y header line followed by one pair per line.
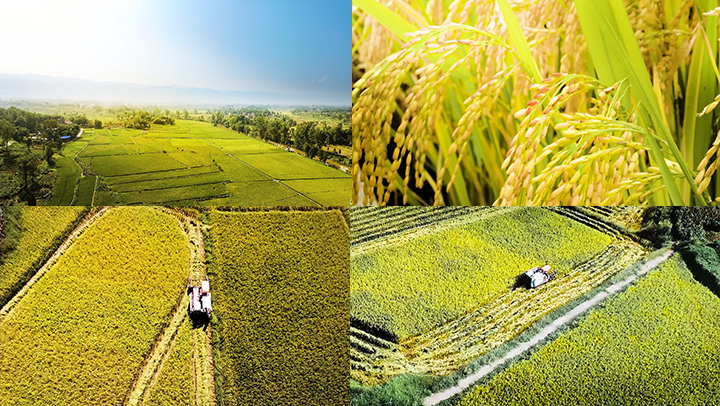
x,y
29,141
309,136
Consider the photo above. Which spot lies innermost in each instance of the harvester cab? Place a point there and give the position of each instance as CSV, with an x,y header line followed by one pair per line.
x,y
535,277
199,291
540,275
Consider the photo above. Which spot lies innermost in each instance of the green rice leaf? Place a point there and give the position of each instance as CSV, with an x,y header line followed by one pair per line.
x,y
388,18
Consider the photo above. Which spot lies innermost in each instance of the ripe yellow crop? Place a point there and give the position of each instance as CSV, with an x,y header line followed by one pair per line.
x,y
81,333
656,344
281,294
412,285
43,229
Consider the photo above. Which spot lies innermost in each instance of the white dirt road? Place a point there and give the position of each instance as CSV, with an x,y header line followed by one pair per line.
x,y
544,333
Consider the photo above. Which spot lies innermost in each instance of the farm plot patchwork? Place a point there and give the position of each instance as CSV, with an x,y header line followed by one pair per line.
x,y
43,229
657,343
189,145
81,333
415,284
281,292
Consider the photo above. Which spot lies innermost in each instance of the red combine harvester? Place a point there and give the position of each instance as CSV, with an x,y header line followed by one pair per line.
x,y
199,297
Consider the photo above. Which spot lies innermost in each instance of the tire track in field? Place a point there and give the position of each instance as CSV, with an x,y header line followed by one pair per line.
x,y
203,385
545,332
89,219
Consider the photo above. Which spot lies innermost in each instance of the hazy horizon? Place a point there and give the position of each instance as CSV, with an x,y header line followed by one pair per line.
x,y
282,48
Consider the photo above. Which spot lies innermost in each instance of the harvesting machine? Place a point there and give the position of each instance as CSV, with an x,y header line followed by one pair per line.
x,y
535,277
199,291
540,275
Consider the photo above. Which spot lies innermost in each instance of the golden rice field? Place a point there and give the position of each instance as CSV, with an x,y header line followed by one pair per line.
x,y
80,335
417,282
281,294
445,349
43,229
657,343
542,102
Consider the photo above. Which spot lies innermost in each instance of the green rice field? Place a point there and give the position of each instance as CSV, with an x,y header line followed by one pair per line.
x,y
191,163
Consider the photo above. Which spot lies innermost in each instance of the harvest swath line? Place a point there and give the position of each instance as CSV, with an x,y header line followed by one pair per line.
x,y
84,224
544,333
426,229
455,344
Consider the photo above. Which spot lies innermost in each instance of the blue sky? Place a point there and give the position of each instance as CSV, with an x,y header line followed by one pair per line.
x,y
284,46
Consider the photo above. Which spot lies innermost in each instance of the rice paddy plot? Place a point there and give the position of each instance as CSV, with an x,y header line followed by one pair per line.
x,y
81,333
200,179
140,148
184,172
85,190
112,139
42,228
328,192
198,129
287,165
281,286
259,193
246,146
183,193
133,164
238,171
186,158
103,150
105,198
65,181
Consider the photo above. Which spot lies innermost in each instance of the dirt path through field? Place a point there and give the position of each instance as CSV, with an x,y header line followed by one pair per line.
x,y
544,333
89,219
203,378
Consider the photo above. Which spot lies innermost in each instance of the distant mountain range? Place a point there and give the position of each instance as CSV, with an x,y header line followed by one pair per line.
x,y
51,88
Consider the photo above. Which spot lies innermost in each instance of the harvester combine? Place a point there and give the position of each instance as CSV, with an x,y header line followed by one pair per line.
x,y
199,291
535,277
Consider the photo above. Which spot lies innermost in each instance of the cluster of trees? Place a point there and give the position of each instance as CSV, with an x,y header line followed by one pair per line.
x,y
312,136
29,141
342,114
84,122
309,136
142,119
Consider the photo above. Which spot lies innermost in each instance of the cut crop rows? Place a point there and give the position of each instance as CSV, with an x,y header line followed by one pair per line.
x,y
370,223
657,343
446,348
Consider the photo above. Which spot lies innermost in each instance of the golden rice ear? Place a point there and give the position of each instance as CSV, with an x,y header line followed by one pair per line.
x,y
459,98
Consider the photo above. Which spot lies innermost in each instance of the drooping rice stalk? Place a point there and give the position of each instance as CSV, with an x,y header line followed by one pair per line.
x,y
535,102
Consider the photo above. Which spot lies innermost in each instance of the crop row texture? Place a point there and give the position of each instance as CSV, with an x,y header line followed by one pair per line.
x,y
42,229
411,286
80,335
174,385
658,343
281,295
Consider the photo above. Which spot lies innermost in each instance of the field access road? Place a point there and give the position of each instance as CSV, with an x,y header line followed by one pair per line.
x,y
544,333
